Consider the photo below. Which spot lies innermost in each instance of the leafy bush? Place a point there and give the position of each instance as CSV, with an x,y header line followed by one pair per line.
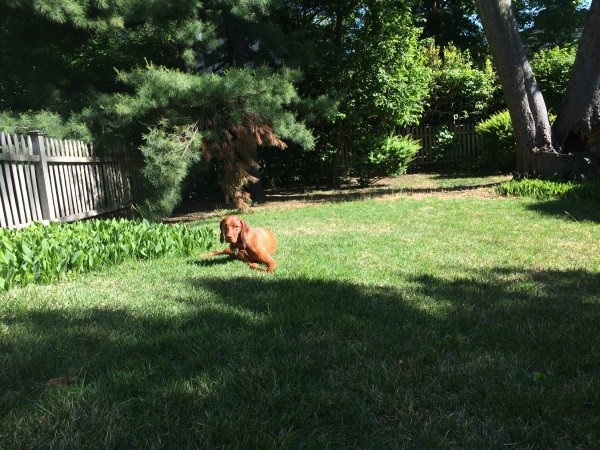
x,y
497,140
552,67
545,190
41,253
445,142
458,91
386,156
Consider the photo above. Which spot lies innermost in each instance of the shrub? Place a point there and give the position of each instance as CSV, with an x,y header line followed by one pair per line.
x,y
552,67
385,156
41,253
459,91
445,142
497,140
168,157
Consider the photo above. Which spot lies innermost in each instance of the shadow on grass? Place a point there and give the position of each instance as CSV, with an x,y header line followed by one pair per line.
x,y
371,192
505,357
192,210
210,261
466,175
578,210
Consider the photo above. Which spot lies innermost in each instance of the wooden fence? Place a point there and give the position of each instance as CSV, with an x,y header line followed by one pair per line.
x,y
44,179
465,148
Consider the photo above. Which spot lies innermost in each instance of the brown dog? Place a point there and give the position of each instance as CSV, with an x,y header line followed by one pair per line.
x,y
251,245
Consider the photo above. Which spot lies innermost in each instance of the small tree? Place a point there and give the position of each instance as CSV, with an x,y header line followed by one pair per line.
x,y
384,156
497,143
369,60
189,116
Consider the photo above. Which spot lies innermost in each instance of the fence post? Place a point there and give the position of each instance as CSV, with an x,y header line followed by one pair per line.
x,y
42,175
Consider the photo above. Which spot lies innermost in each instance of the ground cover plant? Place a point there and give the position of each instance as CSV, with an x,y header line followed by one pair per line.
x,y
546,189
44,253
417,321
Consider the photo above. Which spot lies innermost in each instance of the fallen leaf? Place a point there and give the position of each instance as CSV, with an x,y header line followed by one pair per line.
x,y
61,381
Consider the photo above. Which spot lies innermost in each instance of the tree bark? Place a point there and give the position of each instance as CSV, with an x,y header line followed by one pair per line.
x,y
577,127
237,44
572,149
239,49
256,190
523,97
335,173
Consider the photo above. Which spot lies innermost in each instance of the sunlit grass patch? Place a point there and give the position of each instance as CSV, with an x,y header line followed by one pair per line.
x,y
467,322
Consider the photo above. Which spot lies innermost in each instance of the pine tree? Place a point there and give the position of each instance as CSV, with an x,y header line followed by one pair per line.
x,y
225,116
193,81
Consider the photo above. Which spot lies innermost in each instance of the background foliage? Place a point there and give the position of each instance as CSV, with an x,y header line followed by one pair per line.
x,y
552,67
315,76
385,157
498,142
460,91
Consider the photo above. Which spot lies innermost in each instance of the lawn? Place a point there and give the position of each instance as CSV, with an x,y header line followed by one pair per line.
x,y
409,321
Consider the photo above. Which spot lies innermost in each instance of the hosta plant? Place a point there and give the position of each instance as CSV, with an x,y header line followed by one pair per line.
x,y
41,253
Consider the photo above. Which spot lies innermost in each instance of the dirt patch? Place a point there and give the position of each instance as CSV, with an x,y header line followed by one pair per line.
x,y
387,189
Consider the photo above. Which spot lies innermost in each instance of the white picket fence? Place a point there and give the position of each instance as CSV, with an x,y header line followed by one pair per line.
x,y
45,179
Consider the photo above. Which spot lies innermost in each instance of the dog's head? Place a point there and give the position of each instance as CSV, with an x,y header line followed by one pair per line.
x,y
234,231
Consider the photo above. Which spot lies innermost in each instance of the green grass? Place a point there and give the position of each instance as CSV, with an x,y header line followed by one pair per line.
x,y
431,322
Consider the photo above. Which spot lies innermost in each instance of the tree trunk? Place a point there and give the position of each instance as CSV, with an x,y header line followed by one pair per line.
x,y
577,127
577,130
238,47
523,97
335,173
256,190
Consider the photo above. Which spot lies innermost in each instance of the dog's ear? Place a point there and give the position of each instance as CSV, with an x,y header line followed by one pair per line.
x,y
222,238
244,232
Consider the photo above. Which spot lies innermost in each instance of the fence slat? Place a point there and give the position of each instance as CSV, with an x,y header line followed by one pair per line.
x,y
3,143
67,189
95,191
3,222
12,206
21,188
77,188
465,150
55,206
49,179
34,198
11,147
5,201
